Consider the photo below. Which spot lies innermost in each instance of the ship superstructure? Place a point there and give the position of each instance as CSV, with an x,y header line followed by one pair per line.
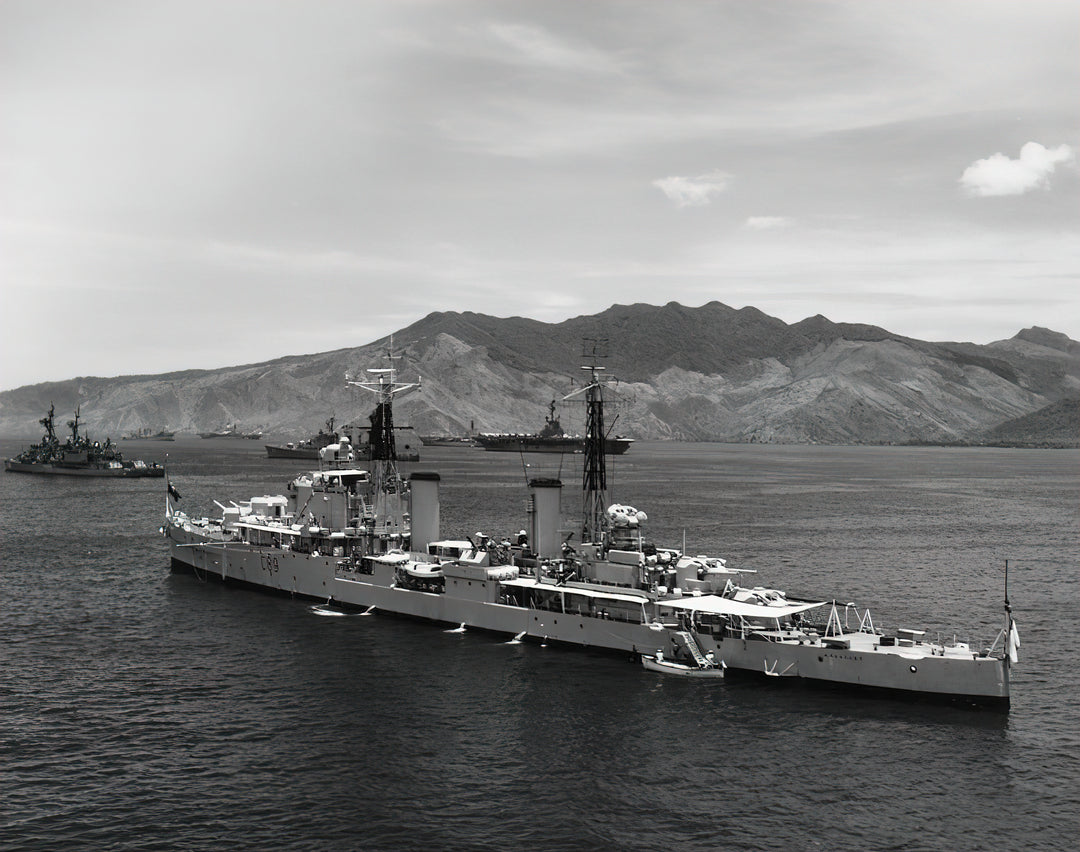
x,y
550,439
78,455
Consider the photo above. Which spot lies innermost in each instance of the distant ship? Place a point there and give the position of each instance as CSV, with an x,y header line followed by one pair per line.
x,y
447,441
307,448
233,431
359,438
406,440
78,456
550,439
147,435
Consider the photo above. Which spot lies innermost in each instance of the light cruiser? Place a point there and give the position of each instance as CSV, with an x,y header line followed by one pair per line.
x,y
370,538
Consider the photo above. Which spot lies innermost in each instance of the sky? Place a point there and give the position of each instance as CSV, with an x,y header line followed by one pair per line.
x,y
191,184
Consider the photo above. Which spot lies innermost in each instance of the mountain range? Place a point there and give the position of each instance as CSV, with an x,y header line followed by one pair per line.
x,y
711,373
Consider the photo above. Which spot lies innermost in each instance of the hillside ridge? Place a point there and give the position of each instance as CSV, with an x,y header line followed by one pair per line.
x,y
711,373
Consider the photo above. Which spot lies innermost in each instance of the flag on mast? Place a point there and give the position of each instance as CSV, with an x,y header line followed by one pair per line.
x,y
1012,643
170,494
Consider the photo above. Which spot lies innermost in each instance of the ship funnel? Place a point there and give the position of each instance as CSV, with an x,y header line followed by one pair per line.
x,y
545,509
424,517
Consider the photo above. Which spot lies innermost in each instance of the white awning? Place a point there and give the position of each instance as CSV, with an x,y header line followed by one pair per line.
x,y
529,583
347,472
724,606
277,529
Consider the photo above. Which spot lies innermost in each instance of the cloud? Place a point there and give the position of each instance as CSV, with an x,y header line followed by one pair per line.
x,y
693,191
998,175
534,45
764,223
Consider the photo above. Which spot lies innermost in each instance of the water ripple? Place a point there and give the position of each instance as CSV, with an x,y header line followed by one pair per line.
x,y
145,711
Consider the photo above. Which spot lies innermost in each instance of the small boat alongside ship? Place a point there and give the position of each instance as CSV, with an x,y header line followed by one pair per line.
x,y
705,668
367,537
77,456
550,439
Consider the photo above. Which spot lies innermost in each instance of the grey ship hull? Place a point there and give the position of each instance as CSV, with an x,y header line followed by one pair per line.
x,y
61,469
925,676
275,451
337,537
541,444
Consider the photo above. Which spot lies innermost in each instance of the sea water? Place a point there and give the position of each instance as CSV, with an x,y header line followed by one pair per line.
x,y
145,710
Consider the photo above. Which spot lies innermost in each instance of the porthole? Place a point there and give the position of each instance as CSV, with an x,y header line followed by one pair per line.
x,y
913,669
821,659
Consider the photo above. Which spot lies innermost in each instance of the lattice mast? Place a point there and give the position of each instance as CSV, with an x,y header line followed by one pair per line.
x,y
387,487
594,470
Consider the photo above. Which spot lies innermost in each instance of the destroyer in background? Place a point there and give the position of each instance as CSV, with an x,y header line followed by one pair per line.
x,y
550,439
77,456
233,430
357,436
149,434
368,537
307,448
